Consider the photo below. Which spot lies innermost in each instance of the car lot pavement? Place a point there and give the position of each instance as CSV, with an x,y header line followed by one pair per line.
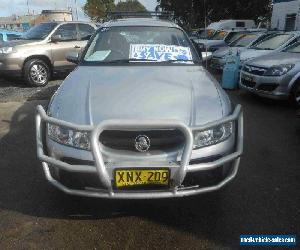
x,y
263,199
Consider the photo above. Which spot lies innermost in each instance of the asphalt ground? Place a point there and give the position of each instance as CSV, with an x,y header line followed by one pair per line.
x,y
263,199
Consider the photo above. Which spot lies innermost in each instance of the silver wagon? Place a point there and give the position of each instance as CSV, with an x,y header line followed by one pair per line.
x,y
139,118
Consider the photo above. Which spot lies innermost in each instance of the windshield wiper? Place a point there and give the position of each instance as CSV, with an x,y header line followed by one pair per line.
x,y
130,60
180,60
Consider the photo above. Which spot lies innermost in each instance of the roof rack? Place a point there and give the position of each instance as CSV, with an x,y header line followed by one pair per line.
x,y
168,15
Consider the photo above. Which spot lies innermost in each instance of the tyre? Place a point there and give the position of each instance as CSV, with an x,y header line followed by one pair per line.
x,y
36,73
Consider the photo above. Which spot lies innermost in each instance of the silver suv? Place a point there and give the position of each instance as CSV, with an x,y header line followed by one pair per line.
x,y
41,51
139,118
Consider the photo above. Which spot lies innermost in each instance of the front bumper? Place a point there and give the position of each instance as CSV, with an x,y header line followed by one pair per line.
x,y
100,169
11,63
272,87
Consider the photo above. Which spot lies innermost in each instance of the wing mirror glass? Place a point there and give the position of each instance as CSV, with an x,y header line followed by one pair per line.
x,y
56,38
72,57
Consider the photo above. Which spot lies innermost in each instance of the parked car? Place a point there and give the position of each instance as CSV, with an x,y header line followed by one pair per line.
x,y
41,51
275,76
232,24
220,39
274,43
213,28
8,35
245,41
139,118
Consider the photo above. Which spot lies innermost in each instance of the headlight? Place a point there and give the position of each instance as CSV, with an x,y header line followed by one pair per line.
x,y
212,136
7,50
279,70
69,137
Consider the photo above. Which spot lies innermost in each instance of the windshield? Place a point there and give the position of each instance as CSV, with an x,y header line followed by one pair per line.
x,y
244,40
39,32
295,48
206,34
219,35
272,43
140,44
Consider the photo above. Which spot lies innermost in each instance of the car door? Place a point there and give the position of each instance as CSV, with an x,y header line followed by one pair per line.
x,y
85,31
66,39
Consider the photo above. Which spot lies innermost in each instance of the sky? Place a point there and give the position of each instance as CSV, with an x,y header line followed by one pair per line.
x,y
19,7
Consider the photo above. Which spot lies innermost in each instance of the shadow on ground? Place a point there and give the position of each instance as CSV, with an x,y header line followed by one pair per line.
x,y
14,89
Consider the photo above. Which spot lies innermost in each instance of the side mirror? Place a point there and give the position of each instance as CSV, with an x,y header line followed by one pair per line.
x,y
88,37
206,56
72,57
199,47
56,38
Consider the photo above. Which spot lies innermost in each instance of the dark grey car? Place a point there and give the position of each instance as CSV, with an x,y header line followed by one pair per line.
x,y
140,117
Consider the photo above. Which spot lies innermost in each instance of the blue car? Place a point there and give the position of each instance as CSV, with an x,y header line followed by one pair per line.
x,y
8,35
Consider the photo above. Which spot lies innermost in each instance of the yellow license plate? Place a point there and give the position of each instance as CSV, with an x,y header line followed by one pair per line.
x,y
141,177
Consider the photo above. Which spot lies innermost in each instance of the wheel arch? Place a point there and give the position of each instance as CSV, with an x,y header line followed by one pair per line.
x,y
295,80
44,58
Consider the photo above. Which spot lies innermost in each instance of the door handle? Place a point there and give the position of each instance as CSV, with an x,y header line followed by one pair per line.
x,y
77,47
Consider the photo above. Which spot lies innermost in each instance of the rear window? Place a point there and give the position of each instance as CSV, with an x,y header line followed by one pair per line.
x,y
240,24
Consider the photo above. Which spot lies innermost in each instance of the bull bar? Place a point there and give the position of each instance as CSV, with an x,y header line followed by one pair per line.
x,y
100,168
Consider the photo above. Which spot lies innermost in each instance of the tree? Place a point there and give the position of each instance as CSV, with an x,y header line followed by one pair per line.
x,y
191,13
130,6
97,9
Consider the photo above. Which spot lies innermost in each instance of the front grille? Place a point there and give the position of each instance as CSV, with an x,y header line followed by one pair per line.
x,y
268,87
159,139
254,70
247,83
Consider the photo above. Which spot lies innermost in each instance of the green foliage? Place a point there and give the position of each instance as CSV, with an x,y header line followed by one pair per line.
x,y
191,13
97,9
130,5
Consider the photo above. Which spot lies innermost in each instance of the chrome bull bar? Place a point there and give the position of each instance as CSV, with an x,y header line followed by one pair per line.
x,y
100,168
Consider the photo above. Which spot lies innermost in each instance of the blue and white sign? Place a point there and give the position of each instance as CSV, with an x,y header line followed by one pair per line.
x,y
159,52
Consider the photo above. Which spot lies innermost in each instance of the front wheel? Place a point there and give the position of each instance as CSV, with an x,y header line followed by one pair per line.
x,y
36,73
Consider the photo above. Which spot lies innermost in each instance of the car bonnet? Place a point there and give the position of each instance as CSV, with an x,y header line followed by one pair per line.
x,y
92,94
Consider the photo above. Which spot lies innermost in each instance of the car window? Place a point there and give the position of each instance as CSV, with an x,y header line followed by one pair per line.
x,y
67,32
12,37
244,40
205,34
292,42
39,32
219,35
1,37
85,31
295,48
144,44
232,37
273,42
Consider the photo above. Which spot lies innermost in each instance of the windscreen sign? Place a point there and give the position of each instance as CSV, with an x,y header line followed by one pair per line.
x,y
160,52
